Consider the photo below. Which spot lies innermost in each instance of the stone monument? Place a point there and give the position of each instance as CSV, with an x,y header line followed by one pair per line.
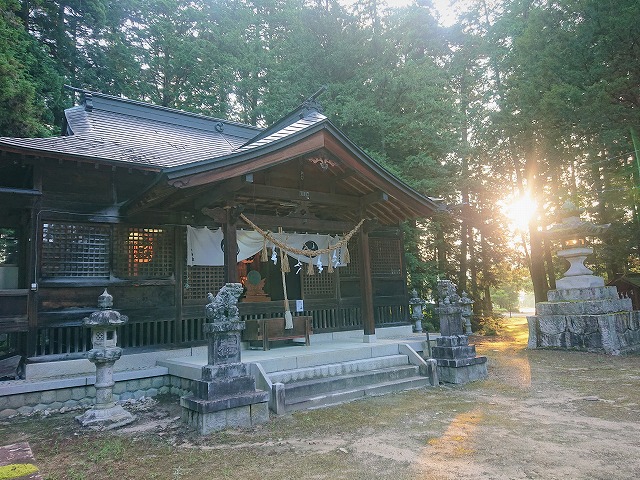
x,y
226,396
105,413
581,313
457,360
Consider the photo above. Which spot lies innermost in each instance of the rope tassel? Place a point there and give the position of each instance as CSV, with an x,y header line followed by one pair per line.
x,y
310,270
264,257
347,256
284,262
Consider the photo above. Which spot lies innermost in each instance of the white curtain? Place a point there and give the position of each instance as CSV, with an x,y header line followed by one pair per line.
x,y
204,246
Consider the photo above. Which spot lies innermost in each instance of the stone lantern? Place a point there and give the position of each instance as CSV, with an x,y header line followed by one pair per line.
x,y
572,233
416,303
104,354
582,313
467,310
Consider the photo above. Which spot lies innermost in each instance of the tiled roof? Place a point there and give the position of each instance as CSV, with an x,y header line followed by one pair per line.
x,y
311,119
122,131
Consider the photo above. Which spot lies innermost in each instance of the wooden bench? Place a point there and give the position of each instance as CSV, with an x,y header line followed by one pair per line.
x,y
272,329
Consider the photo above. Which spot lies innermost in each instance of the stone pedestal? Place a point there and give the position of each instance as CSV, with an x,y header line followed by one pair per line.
x,y
456,360
226,396
590,318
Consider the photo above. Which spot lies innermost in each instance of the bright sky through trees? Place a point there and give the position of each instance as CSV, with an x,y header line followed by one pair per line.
x,y
447,9
519,210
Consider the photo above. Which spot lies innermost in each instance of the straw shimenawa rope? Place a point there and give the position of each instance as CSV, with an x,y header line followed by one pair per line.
x,y
306,252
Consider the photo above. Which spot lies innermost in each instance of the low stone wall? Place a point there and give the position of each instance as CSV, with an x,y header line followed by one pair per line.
x,y
613,333
22,397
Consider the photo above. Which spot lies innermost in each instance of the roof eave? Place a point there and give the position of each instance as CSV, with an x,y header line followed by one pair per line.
x,y
38,152
425,206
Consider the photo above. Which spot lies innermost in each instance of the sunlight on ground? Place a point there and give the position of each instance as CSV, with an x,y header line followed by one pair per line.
x,y
455,443
517,329
513,335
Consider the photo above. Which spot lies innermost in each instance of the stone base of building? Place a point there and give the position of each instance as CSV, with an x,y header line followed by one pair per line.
x,y
106,418
237,417
457,361
589,319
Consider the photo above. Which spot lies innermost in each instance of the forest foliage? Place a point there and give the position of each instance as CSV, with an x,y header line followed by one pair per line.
x,y
518,97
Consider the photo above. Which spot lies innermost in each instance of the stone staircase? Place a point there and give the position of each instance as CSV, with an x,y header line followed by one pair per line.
x,y
334,383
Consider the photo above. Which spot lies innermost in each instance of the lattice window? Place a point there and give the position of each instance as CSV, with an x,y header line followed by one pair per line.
x,y
320,285
386,256
352,269
200,280
143,252
75,250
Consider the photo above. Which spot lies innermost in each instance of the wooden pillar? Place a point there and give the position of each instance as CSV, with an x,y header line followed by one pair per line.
x,y
366,285
179,266
33,268
403,268
230,248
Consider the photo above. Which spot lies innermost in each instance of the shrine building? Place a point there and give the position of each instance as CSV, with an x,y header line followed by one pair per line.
x,y
162,206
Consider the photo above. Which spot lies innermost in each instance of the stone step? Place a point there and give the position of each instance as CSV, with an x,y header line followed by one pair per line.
x,y
347,395
335,369
320,386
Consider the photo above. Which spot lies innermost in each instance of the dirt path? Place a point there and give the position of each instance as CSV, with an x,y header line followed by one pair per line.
x,y
544,414
540,414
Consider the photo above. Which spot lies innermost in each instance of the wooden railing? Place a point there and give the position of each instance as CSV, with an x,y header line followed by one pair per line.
x,y
64,335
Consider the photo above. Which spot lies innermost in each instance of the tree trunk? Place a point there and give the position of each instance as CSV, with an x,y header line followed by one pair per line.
x,y
548,258
537,270
487,305
473,270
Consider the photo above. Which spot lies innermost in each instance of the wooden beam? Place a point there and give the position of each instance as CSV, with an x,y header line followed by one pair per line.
x,y
307,145
219,215
373,197
218,192
148,199
301,224
393,186
293,195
